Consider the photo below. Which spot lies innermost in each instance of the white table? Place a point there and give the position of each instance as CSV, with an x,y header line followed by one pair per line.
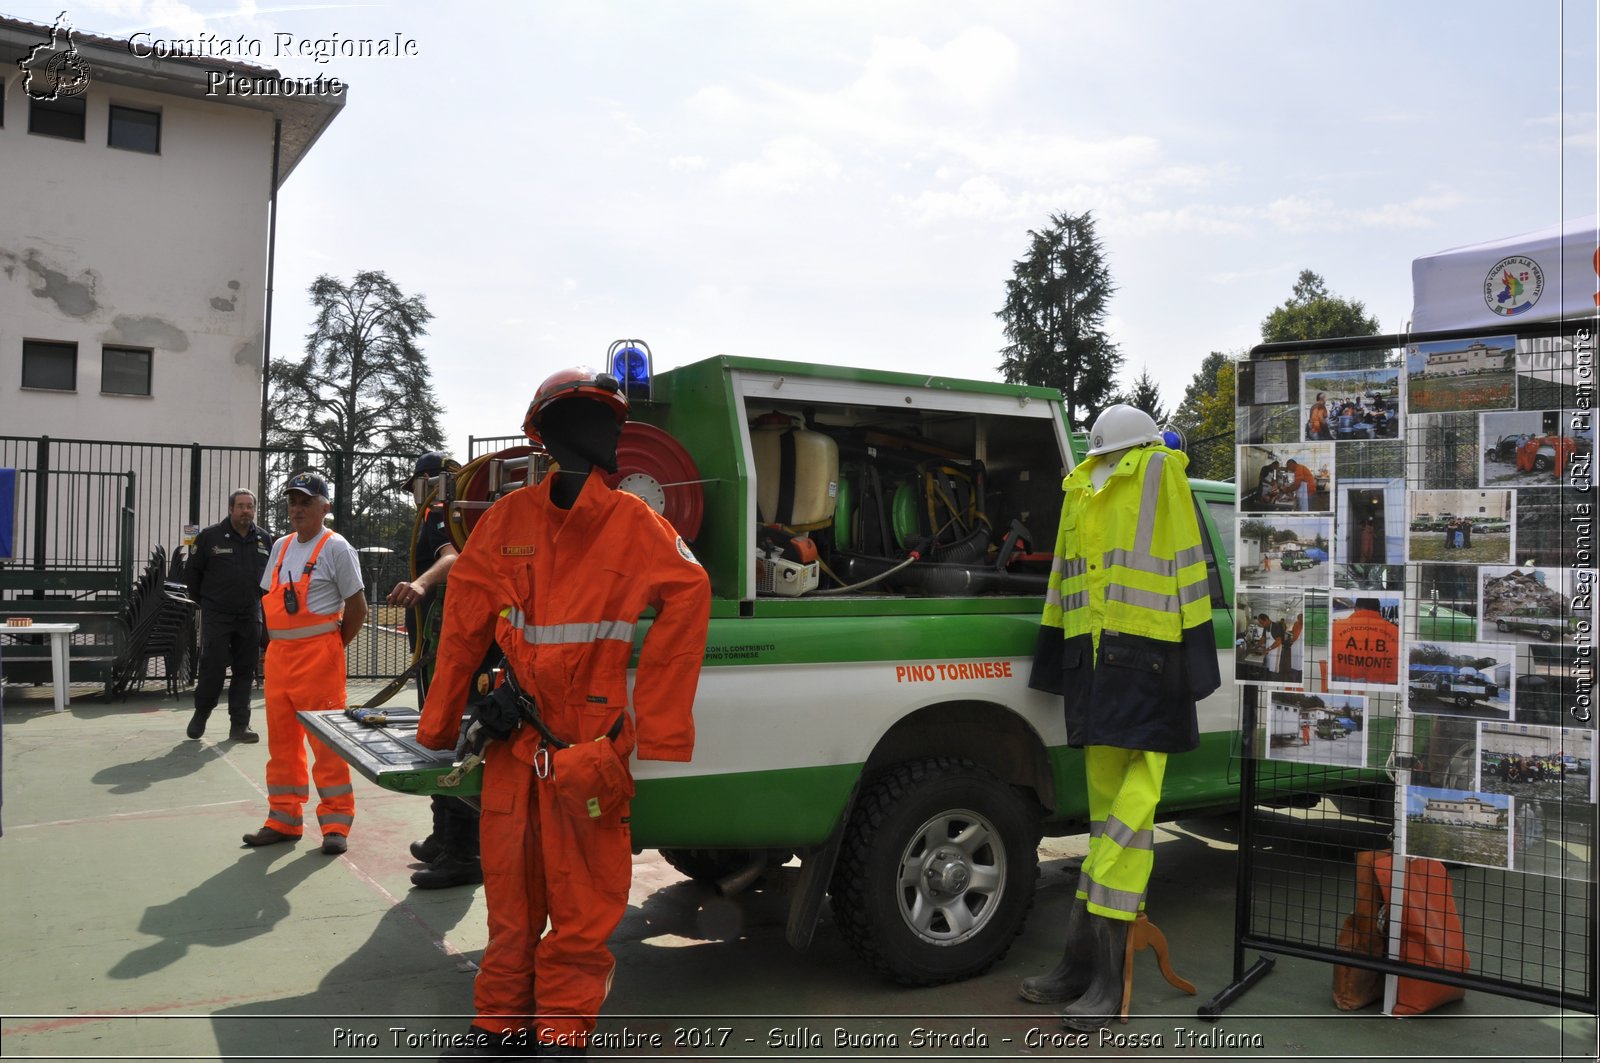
x,y
60,656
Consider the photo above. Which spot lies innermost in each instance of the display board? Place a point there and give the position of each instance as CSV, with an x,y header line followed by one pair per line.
x,y
1414,639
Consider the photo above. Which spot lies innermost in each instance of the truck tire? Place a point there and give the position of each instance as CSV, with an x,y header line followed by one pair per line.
x,y
1547,633
937,871
1463,701
1501,625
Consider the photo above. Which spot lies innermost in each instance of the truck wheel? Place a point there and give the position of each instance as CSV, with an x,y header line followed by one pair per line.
x,y
1463,701
1547,633
1542,463
937,871
1501,625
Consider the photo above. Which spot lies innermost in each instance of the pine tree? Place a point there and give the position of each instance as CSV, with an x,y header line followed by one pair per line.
x,y
1054,314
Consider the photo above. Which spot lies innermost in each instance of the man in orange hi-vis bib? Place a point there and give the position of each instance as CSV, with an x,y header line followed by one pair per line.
x,y
314,607
558,573
1366,646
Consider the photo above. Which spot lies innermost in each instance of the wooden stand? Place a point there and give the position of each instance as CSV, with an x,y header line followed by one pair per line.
x,y
1144,934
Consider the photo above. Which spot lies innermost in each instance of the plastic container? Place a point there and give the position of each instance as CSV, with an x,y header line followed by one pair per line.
x,y
797,474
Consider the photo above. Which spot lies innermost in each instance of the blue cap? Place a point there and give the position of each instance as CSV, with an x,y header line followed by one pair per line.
x,y
308,483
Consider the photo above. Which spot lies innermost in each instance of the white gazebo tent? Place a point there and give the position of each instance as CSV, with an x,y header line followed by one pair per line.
x,y
1549,275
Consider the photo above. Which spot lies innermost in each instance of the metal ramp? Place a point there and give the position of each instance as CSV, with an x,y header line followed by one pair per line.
x,y
389,755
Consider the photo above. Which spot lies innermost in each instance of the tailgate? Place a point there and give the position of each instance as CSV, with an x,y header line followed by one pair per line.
x,y
389,755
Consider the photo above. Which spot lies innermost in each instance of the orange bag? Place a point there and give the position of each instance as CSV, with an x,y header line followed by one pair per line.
x,y
1430,934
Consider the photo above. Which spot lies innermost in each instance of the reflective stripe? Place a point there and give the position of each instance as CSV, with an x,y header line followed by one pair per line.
x,y
303,632
335,791
1194,592
567,634
1195,555
561,634
1156,566
1097,827
288,791
1052,596
1076,600
1149,498
1160,603
1116,900
284,818
335,817
1125,836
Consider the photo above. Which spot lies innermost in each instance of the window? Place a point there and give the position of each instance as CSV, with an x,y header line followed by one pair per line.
x,y
125,370
57,118
135,130
50,366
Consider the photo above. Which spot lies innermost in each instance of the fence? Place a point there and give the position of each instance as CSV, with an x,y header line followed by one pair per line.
x,y
67,519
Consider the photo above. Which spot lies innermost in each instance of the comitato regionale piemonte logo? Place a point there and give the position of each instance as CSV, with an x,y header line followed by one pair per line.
x,y
54,70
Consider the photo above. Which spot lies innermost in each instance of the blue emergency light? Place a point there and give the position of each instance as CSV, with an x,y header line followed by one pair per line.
x,y
631,365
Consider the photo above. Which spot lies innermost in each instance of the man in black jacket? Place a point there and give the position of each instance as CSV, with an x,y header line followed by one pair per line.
x,y
224,577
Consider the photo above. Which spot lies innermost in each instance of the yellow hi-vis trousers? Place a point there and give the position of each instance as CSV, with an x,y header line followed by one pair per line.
x,y
1124,789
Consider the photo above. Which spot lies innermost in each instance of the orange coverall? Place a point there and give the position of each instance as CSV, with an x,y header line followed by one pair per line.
x,y
561,591
305,673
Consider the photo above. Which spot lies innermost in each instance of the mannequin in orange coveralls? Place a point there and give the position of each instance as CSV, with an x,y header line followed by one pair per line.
x,y
558,573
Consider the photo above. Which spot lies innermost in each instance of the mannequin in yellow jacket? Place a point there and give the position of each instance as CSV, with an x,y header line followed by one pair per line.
x,y
1126,639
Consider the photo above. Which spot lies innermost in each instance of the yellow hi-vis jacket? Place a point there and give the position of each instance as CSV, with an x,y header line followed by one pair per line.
x,y
1126,631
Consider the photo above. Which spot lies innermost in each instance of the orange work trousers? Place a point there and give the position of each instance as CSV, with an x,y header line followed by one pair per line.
x,y
304,675
542,863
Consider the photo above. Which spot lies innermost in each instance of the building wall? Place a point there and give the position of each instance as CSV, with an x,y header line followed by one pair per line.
x,y
101,245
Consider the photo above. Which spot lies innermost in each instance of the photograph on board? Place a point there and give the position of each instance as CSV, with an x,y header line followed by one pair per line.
x,y
1371,522
1365,648
1463,527
1455,679
1470,374
1533,448
1351,405
1458,826
1527,760
1443,605
1444,451
1327,729
1290,478
1283,551
1529,604
1269,632
1553,679
1267,394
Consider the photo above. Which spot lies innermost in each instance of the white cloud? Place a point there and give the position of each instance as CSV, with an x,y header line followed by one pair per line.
x,y
687,163
789,164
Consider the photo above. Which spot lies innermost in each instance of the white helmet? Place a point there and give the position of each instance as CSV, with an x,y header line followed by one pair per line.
x,y
1121,426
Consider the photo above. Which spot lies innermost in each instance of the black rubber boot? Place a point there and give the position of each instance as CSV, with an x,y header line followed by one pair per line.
x,y
458,863
1102,1001
1071,976
431,848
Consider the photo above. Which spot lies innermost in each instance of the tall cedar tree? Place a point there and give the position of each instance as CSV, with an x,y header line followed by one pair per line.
x,y
1054,312
362,394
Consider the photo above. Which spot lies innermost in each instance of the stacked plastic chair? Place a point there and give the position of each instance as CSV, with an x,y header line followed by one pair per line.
x,y
158,624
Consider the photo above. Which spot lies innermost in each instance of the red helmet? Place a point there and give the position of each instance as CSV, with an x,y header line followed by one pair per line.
x,y
579,381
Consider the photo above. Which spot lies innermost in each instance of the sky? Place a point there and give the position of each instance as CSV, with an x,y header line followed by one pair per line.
x,y
851,183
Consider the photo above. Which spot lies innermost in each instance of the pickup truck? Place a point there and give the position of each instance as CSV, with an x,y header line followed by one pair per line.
x,y
1462,689
866,713
1548,628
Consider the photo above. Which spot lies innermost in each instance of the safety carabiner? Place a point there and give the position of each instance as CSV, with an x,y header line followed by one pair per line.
x,y
541,762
